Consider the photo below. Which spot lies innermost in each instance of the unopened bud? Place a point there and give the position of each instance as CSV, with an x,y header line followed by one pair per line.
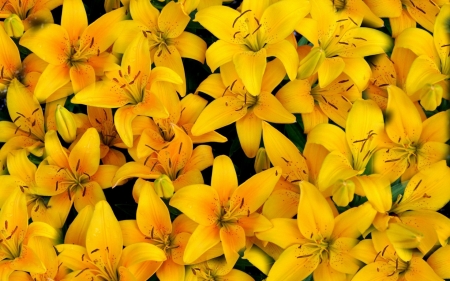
x,y
66,124
262,161
14,26
343,192
164,187
431,96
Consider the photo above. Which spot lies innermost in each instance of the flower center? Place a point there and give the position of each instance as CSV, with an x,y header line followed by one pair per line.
x,y
247,28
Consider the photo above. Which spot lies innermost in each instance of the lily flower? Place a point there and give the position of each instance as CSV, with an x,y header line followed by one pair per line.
x,y
247,38
103,256
31,13
234,103
181,163
383,263
350,153
75,51
130,89
411,144
167,40
215,269
317,242
340,45
153,225
16,254
76,173
226,213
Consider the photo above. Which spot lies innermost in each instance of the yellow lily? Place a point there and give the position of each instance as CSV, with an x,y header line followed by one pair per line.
x,y
226,213
75,51
22,172
317,242
360,11
439,263
249,37
131,89
158,132
16,254
153,225
350,153
339,46
234,103
102,120
31,13
103,257
411,144
167,40
181,163
76,173
382,263
27,129
215,269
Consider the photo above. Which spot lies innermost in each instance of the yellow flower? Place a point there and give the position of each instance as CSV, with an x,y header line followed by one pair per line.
x,y
317,241
15,235
73,50
215,269
411,144
234,103
226,213
249,37
167,40
77,173
103,256
131,89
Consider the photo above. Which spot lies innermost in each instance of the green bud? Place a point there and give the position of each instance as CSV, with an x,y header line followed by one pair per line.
x,y
343,192
164,187
262,161
66,124
14,26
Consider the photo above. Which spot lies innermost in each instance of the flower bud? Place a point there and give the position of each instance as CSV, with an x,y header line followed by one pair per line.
x,y
262,161
66,124
343,192
310,64
431,96
164,187
14,26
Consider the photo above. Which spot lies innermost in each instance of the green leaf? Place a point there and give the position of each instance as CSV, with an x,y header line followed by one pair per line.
x,y
294,133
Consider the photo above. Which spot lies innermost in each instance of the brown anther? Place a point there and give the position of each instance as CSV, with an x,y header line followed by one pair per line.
x,y
384,250
15,132
446,45
343,43
243,13
34,111
70,195
92,42
276,173
37,208
343,81
96,250
159,53
360,38
153,166
304,256
33,123
417,185
376,256
29,132
78,165
332,105
21,189
129,70
82,257
170,163
17,118
236,33
350,87
123,86
179,149
21,114
225,90
392,75
84,191
151,233
341,20
399,139
115,80
145,34
248,212
193,271
1,73
86,174
79,273
120,73
421,10
391,160
98,52
259,26
324,99
232,84
131,83
242,203
426,195
354,22
137,75
392,273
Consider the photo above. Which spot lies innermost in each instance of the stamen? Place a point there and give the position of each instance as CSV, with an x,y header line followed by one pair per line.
x,y
360,38
137,75
57,183
79,273
383,85
242,203
259,26
78,165
352,20
21,189
153,166
70,195
151,233
234,35
16,119
92,42
391,160
225,90
417,185
37,208
145,34
96,250
129,70
15,132
115,80
82,257
6,225
84,191
179,150
384,250
304,256
170,163
243,13
343,81
376,256
350,87
232,84
34,111
332,105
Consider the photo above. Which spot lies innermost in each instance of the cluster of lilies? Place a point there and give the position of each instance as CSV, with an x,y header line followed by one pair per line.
x,y
359,200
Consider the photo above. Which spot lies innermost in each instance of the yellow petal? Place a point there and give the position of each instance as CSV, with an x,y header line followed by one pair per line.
x,y
172,21
140,252
82,75
219,20
329,70
289,227
373,42
223,178
102,94
85,156
431,132
378,191
385,8
233,241
332,138
74,19
378,271
202,239
172,59
325,271
9,54
199,202
441,39
190,46
53,78
133,169
268,108
390,163
131,233
295,96
249,132
90,194
315,218
424,13
152,215
14,218
420,42
291,266
76,233
423,72
20,166
362,132
259,259
170,270
439,262
103,237
283,153
401,23
250,67
218,114
345,225
285,52
273,29
246,199
404,238
221,52
144,12
314,118
281,204
123,118
51,43
420,270
358,70
335,169
403,124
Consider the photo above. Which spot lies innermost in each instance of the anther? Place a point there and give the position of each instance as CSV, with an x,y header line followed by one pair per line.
x,y
78,165
179,150
34,111
243,13
15,132
350,87
129,70
242,203
96,250
384,250
92,42
120,73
